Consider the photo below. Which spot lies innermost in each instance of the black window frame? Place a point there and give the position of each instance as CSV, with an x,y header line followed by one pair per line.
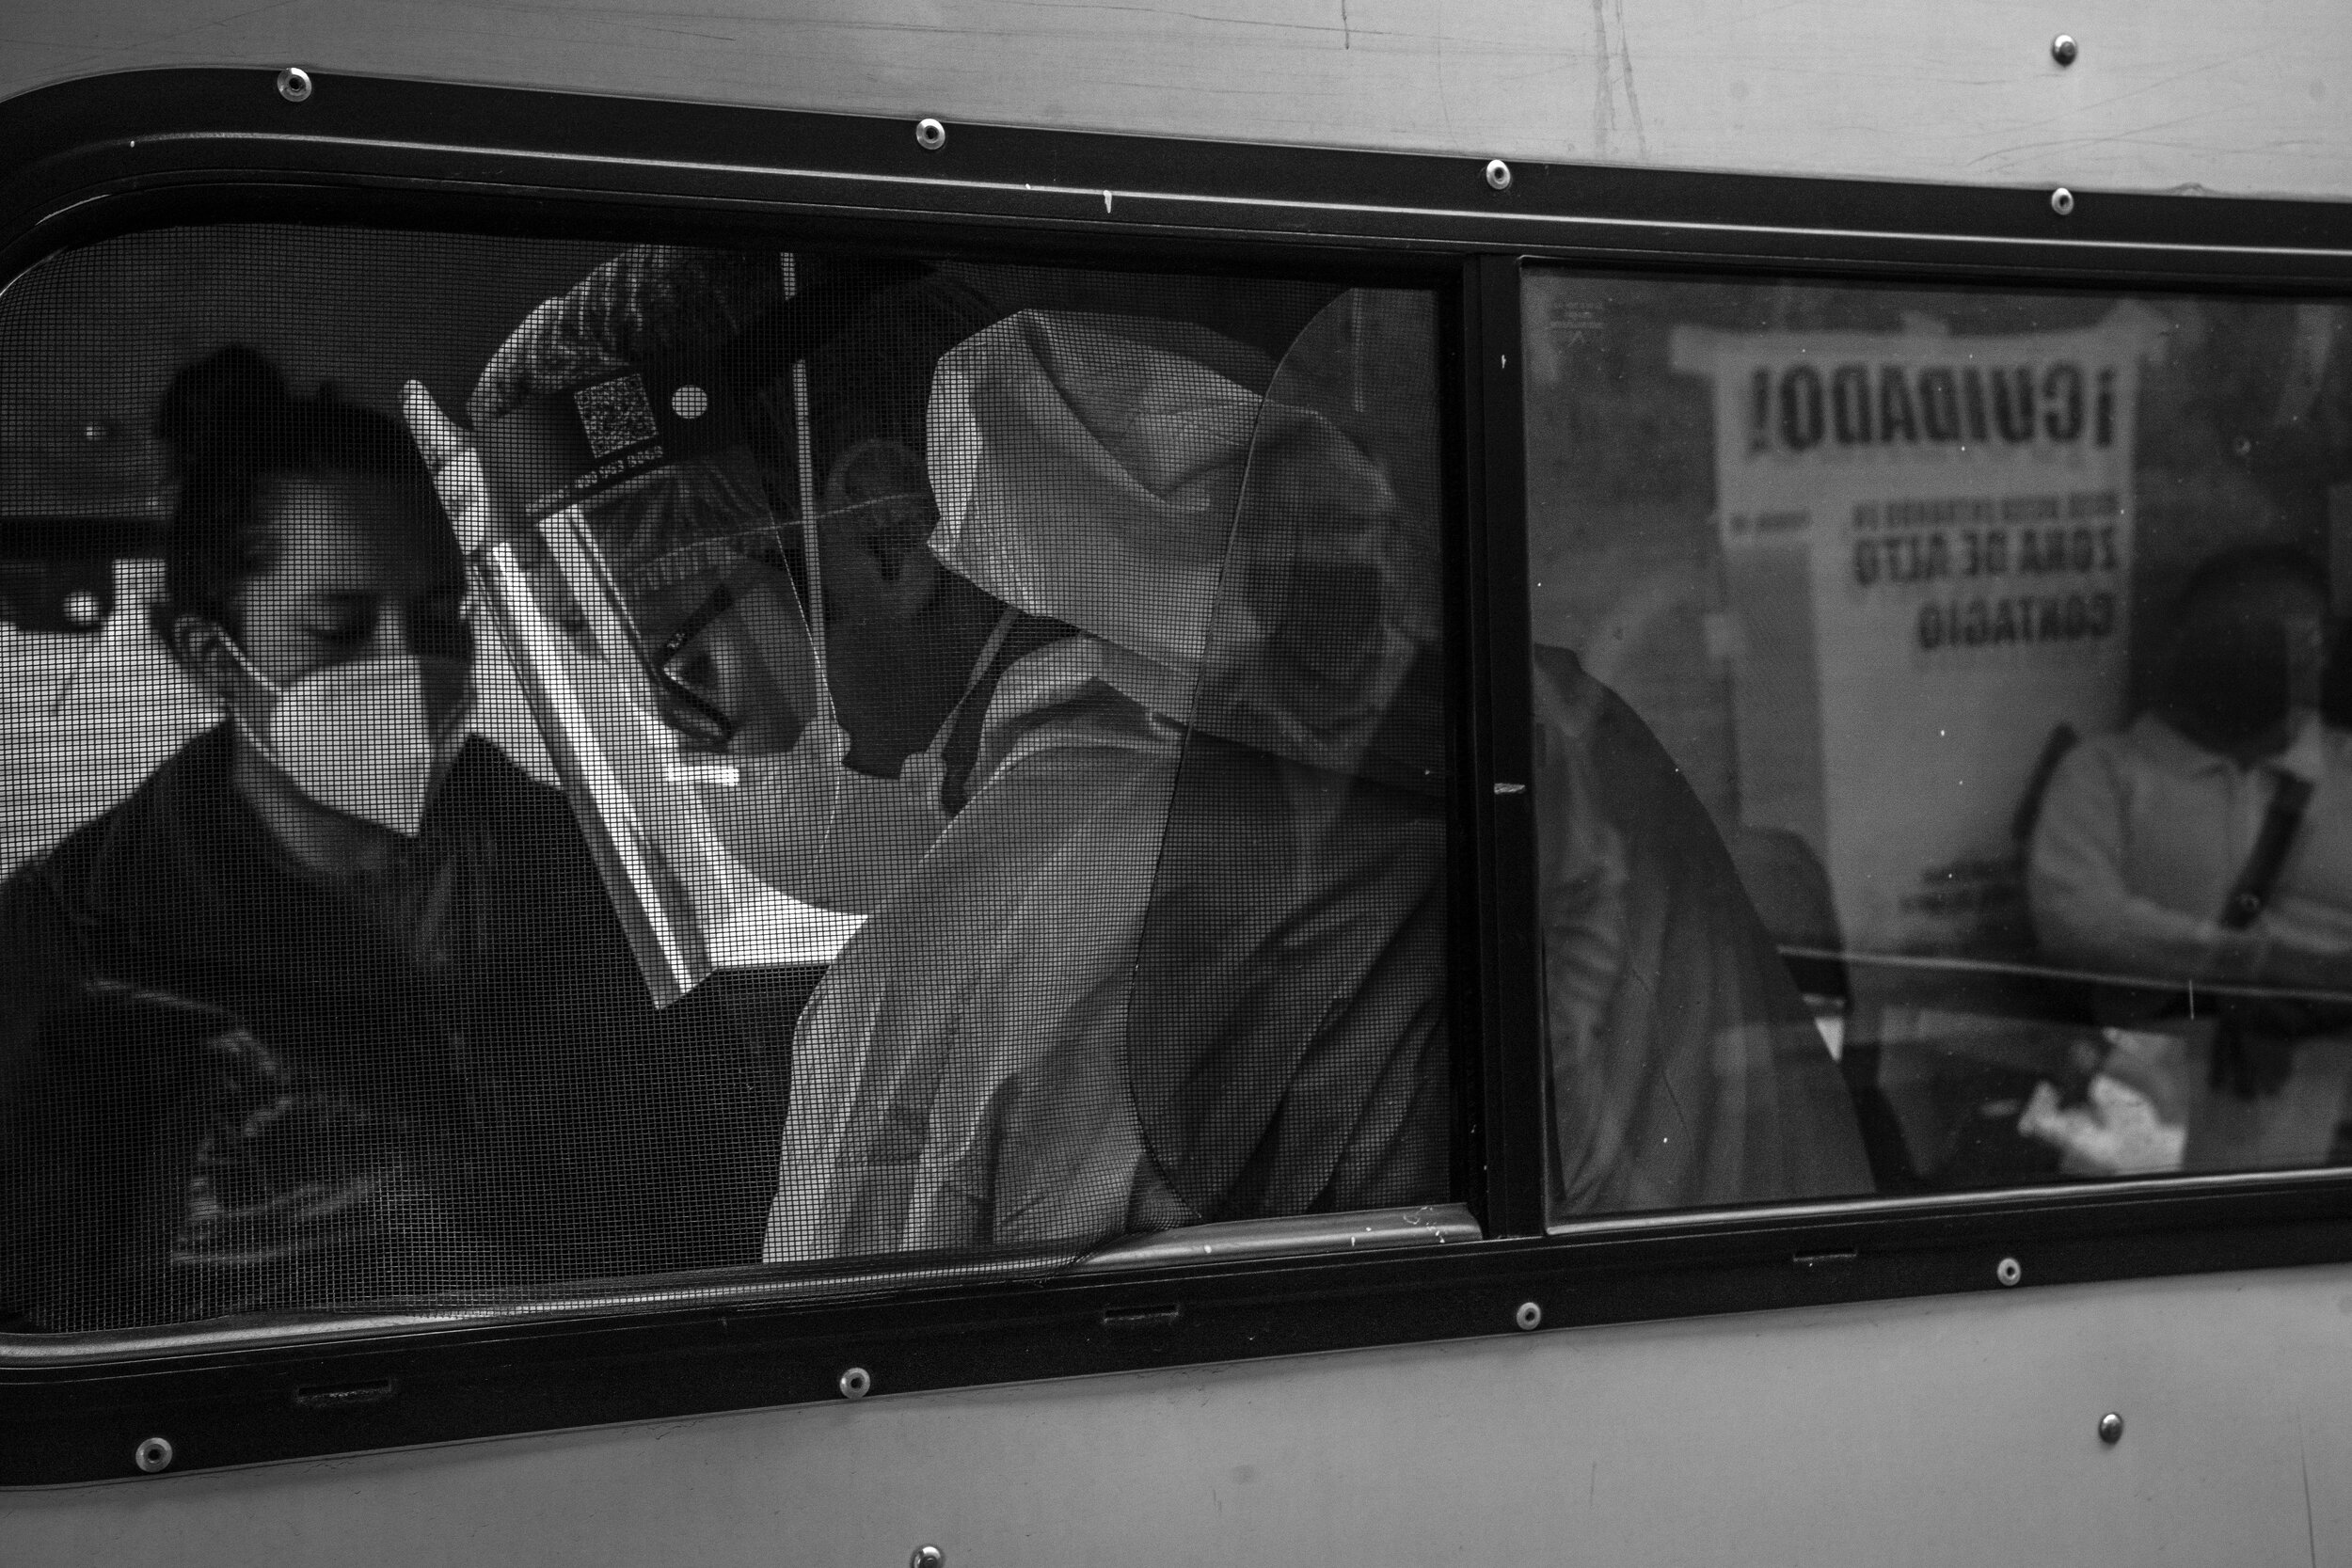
x,y
113,154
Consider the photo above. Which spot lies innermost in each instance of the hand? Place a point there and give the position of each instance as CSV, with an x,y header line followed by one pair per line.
x,y
2116,1131
456,464
269,1130
248,1083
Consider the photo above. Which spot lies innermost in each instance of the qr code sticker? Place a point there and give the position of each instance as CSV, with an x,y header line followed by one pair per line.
x,y
615,414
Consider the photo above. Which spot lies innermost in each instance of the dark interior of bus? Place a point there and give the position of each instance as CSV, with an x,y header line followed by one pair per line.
x,y
1963,1046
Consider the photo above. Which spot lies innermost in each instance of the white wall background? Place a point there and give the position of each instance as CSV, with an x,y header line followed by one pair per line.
x,y
1954,1432
2253,97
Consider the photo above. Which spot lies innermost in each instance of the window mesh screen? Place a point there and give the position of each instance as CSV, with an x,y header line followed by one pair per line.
x,y
527,764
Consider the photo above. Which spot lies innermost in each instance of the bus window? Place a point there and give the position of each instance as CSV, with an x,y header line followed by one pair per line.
x,y
1979,650
531,763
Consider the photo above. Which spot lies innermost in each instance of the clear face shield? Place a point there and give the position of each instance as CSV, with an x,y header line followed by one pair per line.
x,y
646,596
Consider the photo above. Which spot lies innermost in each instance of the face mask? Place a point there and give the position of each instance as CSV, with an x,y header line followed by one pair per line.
x,y
359,738
807,824
2234,687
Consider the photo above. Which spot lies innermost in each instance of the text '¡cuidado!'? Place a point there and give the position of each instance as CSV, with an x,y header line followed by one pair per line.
x,y
1797,408
1976,622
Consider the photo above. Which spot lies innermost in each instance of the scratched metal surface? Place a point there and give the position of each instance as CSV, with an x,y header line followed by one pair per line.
x,y
1958,1431
2249,99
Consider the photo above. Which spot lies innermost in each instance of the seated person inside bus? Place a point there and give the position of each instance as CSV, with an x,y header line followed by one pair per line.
x,y
331,1009
2205,853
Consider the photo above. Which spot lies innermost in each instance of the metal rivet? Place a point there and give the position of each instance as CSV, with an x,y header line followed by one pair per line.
x,y
2061,201
81,608
927,1557
856,1383
1498,174
2009,1271
1529,1315
2110,1427
293,83
2063,48
152,1455
690,402
929,134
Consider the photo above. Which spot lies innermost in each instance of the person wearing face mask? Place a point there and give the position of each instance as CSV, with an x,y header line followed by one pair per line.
x,y
2210,844
330,1010
999,793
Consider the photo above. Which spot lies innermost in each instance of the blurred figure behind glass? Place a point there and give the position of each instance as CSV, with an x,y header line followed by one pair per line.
x,y
2208,844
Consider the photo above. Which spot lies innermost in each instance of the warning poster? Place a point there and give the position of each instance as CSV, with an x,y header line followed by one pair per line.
x,y
1928,551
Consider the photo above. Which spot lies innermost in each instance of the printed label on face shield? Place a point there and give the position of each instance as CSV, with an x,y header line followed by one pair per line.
x,y
559,448
615,414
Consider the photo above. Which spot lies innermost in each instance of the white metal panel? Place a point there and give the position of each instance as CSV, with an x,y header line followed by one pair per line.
x,y
2253,97
1956,1430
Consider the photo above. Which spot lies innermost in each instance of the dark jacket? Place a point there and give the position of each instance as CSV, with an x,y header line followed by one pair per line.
x,y
226,1087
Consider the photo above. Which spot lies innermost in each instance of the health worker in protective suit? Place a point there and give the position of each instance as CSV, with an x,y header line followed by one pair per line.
x,y
1193,914
642,510
1254,701
1176,952
963,1073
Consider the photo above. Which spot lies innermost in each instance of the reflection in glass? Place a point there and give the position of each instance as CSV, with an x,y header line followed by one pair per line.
x,y
1995,634
1297,1061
